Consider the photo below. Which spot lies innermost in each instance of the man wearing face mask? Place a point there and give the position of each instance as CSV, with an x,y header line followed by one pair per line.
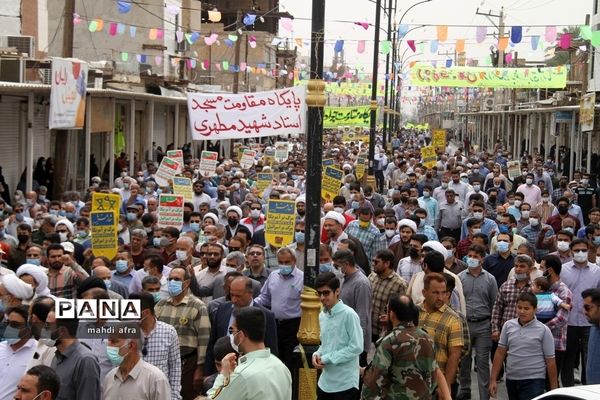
x,y
66,231
376,200
16,219
160,344
532,193
234,215
216,268
123,272
281,293
168,243
480,292
430,204
115,289
16,350
150,382
536,232
199,195
255,221
238,376
369,236
298,244
17,255
578,275
189,316
561,213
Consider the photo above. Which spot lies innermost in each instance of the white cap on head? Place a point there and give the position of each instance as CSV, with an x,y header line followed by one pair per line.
x,y
436,246
336,216
408,222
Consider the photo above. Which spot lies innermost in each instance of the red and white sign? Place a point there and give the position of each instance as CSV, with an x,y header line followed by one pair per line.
x,y
238,116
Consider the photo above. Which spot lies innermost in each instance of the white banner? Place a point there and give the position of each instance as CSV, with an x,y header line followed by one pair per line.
x,y
239,116
67,95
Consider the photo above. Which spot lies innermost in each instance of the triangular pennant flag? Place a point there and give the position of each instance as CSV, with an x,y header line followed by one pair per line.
x,y
508,58
442,33
243,66
152,34
481,33
179,36
287,24
138,57
502,43
218,66
188,38
228,42
550,34
214,16
121,28
385,47
448,63
433,46
124,56
249,19
100,23
205,65
299,42
157,60
233,38
565,41
160,33
535,41
225,65
76,19
92,26
516,34
124,6
585,31
132,30
596,38
460,46
195,36
112,29
411,44
365,25
403,29
339,46
360,46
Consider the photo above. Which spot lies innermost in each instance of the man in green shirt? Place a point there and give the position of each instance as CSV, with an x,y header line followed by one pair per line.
x,y
257,375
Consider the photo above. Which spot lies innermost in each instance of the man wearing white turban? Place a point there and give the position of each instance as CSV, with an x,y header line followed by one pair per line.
x,y
14,291
36,277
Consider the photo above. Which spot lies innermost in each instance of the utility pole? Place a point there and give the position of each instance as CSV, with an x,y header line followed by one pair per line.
x,y
236,75
373,132
386,109
62,135
500,26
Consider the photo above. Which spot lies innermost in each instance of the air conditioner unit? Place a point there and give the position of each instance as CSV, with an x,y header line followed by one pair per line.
x,y
12,69
23,44
488,103
47,76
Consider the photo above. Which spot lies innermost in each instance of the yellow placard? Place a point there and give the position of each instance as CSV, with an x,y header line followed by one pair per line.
x,y
429,156
104,233
183,186
361,165
330,183
439,139
281,220
263,181
106,202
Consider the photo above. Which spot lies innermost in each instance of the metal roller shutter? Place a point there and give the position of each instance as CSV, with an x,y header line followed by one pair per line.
x,y
9,142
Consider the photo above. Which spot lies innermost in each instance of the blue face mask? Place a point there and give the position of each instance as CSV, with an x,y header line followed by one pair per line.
x,y
195,226
502,247
503,228
175,288
156,241
156,296
113,355
596,240
472,262
70,216
285,270
325,267
107,283
299,237
33,261
121,266
131,217
62,213
355,205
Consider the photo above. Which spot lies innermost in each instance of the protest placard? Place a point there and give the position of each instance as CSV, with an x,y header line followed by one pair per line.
x,y
263,181
247,160
331,183
176,155
281,151
170,210
361,165
429,156
166,171
514,169
106,202
104,231
281,220
208,163
439,139
183,186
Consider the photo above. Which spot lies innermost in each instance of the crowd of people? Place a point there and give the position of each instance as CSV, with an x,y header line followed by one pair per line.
x,y
429,271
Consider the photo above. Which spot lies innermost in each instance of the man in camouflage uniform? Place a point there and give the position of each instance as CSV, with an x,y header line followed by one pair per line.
x,y
404,366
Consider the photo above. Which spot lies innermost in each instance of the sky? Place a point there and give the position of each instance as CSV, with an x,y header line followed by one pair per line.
x,y
437,12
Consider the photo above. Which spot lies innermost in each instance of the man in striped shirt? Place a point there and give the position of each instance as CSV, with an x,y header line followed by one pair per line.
x,y
189,316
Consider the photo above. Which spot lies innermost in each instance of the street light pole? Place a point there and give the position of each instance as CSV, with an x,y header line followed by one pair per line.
x,y
373,132
305,377
387,78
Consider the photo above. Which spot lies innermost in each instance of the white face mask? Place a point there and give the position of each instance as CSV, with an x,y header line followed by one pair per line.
x,y
380,221
534,221
390,233
181,254
525,214
580,257
562,245
339,209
